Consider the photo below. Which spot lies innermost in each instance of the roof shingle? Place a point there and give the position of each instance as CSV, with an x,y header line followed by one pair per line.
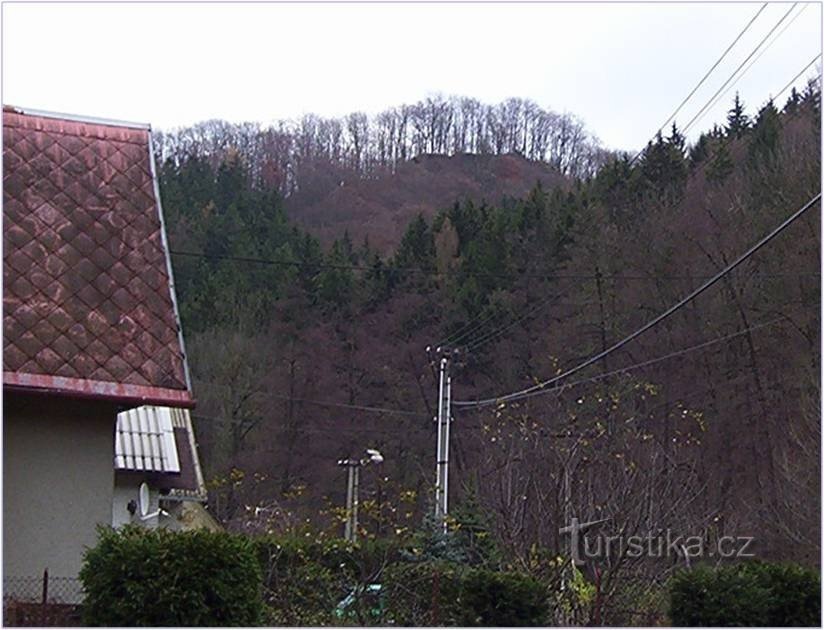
x,y
86,287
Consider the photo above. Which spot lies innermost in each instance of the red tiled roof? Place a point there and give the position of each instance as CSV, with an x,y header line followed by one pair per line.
x,y
87,304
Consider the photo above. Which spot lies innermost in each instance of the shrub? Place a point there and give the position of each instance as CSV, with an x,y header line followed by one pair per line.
x,y
493,598
748,594
413,589
140,577
432,593
305,578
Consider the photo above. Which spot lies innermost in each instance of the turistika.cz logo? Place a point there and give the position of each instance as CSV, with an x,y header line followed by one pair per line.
x,y
661,544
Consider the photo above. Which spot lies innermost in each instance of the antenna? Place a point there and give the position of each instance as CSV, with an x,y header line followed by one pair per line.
x,y
144,503
143,499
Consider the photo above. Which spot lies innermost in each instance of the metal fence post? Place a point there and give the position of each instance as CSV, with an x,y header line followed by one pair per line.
x,y
45,596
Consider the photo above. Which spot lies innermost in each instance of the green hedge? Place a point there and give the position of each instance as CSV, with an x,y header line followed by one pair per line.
x,y
305,578
443,594
748,594
140,577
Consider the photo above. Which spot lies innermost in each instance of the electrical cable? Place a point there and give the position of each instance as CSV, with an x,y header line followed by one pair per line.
x,y
322,403
751,64
676,307
516,274
497,333
796,77
491,335
732,76
643,364
704,78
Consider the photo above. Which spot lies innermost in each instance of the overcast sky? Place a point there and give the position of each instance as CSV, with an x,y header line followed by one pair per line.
x,y
622,68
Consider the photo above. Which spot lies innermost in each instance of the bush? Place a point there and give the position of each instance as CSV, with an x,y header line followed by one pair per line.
x,y
432,593
305,578
140,577
495,598
748,594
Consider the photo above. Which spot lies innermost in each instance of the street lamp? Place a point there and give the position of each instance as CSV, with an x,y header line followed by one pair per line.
x,y
353,466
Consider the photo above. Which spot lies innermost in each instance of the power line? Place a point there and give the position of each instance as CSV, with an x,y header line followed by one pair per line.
x,y
643,364
732,76
796,77
517,274
323,403
753,62
311,430
560,432
397,412
497,333
467,329
597,357
704,78
453,340
660,359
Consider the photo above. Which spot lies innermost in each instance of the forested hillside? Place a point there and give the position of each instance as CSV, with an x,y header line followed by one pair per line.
x,y
370,175
304,353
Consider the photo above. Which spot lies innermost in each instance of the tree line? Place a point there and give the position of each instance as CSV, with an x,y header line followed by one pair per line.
x,y
283,154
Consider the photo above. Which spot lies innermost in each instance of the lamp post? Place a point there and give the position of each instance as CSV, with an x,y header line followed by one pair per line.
x,y
353,466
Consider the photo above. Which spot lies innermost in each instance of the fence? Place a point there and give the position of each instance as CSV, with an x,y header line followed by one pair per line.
x,y
41,601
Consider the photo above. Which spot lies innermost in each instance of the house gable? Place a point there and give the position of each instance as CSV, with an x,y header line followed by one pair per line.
x,y
89,305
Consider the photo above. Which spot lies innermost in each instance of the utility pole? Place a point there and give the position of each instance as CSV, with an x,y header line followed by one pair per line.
x,y
444,420
353,466
350,531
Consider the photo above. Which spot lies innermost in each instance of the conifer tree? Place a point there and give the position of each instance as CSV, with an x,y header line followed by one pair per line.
x,y
793,102
676,139
721,166
417,247
765,134
700,150
737,121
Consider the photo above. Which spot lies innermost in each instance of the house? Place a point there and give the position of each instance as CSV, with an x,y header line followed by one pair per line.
x,y
90,327
155,447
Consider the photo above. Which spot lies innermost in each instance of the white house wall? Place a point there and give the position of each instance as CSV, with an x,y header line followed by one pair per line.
x,y
58,483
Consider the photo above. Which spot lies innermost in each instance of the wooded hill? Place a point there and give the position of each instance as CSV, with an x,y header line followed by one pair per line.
x,y
372,175
293,345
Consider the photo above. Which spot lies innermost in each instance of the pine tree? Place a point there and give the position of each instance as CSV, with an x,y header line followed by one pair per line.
x,y
417,247
792,102
765,134
700,150
335,281
721,166
664,167
347,248
737,121
676,139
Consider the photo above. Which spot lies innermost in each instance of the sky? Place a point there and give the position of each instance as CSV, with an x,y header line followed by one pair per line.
x,y
622,68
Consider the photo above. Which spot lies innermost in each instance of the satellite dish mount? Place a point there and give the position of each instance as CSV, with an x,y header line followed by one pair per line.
x,y
144,504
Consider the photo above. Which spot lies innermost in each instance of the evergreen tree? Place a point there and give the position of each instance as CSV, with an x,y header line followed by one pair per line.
x,y
765,134
721,165
676,140
700,151
335,281
737,121
347,249
417,247
812,95
717,132
793,102
663,166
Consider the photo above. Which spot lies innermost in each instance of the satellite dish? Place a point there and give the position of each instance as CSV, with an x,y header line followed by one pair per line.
x,y
143,499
